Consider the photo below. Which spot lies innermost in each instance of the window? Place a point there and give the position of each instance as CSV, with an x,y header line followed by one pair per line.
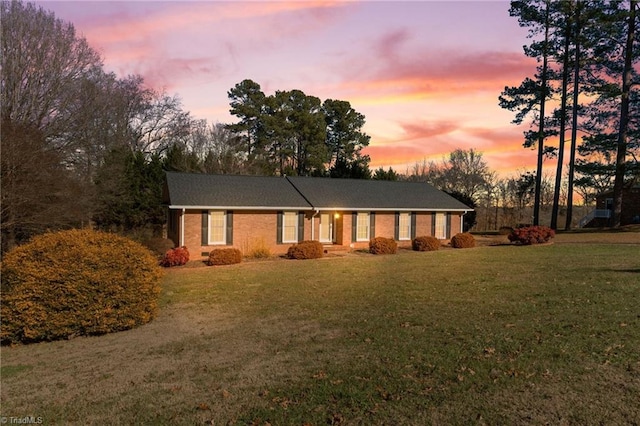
x,y
363,227
290,227
441,226
217,227
404,226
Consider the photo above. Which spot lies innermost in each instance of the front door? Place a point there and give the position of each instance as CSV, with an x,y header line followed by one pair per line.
x,y
326,228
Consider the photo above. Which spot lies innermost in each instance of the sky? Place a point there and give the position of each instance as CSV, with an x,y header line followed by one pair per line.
x,y
425,74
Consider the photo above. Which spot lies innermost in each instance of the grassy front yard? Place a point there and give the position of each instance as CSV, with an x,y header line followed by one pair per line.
x,y
491,335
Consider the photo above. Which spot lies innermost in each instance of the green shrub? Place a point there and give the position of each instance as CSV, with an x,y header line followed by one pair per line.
x,y
225,256
159,246
175,257
505,230
426,243
76,283
306,250
382,245
532,235
463,240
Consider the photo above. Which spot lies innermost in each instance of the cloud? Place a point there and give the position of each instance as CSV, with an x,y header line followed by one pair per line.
x,y
174,43
424,130
402,70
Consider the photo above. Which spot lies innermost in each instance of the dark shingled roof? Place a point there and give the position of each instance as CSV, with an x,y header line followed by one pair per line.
x,y
189,190
356,194
201,190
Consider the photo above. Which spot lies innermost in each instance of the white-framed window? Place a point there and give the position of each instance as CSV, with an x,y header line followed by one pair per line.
x,y
441,226
363,226
217,227
404,226
290,227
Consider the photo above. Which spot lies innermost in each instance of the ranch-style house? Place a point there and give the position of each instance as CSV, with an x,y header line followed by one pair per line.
x,y
248,212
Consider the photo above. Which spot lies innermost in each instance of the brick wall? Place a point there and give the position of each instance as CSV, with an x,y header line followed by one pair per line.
x,y
255,229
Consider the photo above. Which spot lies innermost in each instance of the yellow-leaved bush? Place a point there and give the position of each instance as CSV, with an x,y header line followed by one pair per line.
x,y
74,283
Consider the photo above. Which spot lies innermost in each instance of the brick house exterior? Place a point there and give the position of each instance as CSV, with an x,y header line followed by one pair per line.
x,y
252,212
630,205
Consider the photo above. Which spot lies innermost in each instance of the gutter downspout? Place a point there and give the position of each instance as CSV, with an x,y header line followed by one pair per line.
x,y
462,220
182,228
313,222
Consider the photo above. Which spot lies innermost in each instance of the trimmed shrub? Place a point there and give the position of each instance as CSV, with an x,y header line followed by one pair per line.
x,y
175,257
382,245
426,243
532,235
463,240
306,250
76,283
225,256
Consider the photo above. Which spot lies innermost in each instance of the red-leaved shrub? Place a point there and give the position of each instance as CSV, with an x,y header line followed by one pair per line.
x,y
382,245
306,250
175,257
531,235
426,243
463,240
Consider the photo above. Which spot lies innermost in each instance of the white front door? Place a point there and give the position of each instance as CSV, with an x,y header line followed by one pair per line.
x,y
326,228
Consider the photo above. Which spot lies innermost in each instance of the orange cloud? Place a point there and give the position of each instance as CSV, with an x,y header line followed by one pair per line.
x,y
425,130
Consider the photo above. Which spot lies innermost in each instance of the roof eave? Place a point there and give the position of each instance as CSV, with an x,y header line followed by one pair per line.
x,y
190,207
377,209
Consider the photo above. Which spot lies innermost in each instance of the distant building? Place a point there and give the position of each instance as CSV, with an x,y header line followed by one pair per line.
x,y
601,216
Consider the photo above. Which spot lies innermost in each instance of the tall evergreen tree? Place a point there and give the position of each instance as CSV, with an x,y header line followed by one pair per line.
x,y
565,23
530,98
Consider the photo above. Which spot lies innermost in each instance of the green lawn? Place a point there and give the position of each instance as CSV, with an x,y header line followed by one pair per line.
x,y
490,335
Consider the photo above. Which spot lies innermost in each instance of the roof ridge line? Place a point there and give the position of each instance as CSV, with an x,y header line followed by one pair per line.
x,y
299,192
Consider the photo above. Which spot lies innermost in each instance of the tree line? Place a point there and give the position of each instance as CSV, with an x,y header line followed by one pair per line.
x,y
585,86
84,147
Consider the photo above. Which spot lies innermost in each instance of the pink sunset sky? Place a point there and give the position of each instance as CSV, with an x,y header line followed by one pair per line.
x,y
426,74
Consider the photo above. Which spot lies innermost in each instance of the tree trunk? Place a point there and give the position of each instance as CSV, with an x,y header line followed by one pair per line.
x,y
574,119
618,185
543,98
563,125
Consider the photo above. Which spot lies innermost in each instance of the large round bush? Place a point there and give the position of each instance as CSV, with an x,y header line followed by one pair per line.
x,y
77,282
